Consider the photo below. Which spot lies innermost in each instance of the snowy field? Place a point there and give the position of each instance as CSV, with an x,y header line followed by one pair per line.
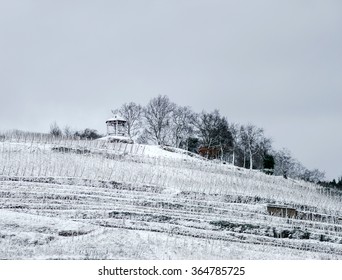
x,y
63,199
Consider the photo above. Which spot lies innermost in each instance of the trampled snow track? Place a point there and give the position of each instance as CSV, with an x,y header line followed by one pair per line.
x,y
158,209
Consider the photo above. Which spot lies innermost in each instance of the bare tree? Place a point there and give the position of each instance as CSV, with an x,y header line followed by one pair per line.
x,y
182,125
214,132
234,129
158,113
313,176
207,127
55,130
224,137
265,149
132,113
288,166
284,163
253,141
68,131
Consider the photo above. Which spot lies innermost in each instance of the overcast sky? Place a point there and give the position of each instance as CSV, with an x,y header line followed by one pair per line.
x,y
275,64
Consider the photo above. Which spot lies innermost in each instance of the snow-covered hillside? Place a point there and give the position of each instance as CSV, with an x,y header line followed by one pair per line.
x,y
96,200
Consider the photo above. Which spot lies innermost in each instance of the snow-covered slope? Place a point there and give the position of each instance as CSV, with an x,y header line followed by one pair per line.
x,y
78,200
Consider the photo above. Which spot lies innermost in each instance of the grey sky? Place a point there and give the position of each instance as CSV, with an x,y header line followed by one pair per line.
x,y
276,64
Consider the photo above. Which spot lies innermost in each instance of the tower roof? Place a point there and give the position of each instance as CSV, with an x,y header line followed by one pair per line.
x,y
116,118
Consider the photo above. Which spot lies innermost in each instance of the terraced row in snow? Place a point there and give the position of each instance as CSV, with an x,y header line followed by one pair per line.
x,y
159,209
88,191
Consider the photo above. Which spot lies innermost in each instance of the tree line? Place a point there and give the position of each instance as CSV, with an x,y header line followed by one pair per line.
x,y
87,133
163,122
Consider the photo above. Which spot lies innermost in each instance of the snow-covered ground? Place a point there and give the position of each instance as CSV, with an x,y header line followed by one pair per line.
x,y
96,200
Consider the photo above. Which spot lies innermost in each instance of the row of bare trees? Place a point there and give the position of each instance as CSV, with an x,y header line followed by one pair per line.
x,y
163,122
288,166
87,133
